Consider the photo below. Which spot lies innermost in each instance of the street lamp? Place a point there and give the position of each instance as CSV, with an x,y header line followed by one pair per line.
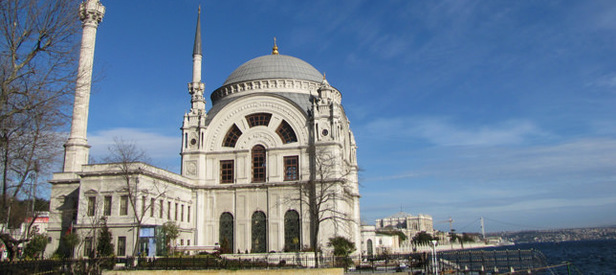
x,y
434,259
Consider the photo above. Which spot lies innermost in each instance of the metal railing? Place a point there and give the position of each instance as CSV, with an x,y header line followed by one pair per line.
x,y
448,262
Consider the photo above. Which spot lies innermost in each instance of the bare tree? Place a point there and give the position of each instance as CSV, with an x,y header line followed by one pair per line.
x,y
27,157
93,219
127,158
38,45
322,194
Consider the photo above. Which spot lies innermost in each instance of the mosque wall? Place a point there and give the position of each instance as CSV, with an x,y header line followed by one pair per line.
x,y
244,164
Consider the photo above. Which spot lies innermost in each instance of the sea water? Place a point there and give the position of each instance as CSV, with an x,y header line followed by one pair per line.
x,y
589,257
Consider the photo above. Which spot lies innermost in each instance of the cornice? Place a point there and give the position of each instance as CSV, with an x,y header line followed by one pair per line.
x,y
270,84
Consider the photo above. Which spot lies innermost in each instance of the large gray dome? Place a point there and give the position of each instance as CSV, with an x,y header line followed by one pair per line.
x,y
272,67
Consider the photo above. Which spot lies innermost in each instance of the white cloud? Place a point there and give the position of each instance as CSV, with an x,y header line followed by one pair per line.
x,y
588,160
605,81
543,204
439,131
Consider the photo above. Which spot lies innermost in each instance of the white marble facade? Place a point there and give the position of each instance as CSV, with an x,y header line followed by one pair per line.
x,y
244,164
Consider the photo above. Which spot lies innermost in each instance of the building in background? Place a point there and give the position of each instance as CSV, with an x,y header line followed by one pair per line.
x,y
384,236
407,223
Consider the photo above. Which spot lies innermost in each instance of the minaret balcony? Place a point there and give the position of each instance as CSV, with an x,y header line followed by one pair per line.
x,y
196,87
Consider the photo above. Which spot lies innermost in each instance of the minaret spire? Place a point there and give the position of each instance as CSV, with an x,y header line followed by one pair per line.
x,y
197,47
196,87
76,149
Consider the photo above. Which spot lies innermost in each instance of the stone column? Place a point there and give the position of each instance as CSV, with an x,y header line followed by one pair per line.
x,y
76,149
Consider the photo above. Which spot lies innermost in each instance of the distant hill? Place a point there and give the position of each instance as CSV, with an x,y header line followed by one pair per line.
x,y
559,235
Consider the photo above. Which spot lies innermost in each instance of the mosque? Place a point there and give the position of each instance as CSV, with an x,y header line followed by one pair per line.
x,y
274,154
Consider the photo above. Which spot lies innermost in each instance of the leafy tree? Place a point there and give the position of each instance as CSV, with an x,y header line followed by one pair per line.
x,y
453,237
171,232
225,246
343,248
104,247
467,238
35,248
68,242
422,238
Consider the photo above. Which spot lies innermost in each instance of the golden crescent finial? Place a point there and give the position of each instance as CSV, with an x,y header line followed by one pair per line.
x,y
275,48
199,8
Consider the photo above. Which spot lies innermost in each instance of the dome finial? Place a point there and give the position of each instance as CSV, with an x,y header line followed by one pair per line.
x,y
324,83
275,48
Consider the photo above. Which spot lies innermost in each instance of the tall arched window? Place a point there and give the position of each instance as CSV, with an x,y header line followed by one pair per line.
x,y
259,232
226,233
258,163
291,231
369,247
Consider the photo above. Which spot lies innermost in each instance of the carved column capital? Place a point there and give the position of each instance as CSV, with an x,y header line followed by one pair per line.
x,y
91,12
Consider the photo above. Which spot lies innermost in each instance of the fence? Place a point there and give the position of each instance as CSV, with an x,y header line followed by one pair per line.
x,y
242,261
465,262
66,266
450,262
491,261
418,248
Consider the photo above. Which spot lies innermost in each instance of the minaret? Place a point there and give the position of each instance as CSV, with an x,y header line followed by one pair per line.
x,y
193,127
196,87
76,149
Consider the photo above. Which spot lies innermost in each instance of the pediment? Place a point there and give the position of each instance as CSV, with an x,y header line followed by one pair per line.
x,y
91,192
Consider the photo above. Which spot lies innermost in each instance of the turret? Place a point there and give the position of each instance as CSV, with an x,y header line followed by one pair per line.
x,y
327,112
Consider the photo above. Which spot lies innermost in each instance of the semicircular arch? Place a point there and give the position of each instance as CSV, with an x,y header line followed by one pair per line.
x,y
234,113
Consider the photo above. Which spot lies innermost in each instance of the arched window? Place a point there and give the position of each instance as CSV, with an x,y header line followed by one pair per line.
x,y
369,247
286,133
232,136
226,233
258,163
258,119
291,231
259,232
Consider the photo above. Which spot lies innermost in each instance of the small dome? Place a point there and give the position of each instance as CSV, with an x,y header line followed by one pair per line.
x,y
272,67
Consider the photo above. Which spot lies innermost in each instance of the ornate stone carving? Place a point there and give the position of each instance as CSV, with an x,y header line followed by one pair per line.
x,y
257,138
273,84
91,12
273,105
191,168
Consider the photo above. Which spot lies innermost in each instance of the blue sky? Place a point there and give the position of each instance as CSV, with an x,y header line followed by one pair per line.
x,y
462,109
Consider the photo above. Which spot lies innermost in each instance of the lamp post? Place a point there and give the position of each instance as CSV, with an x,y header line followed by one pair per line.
x,y
434,259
